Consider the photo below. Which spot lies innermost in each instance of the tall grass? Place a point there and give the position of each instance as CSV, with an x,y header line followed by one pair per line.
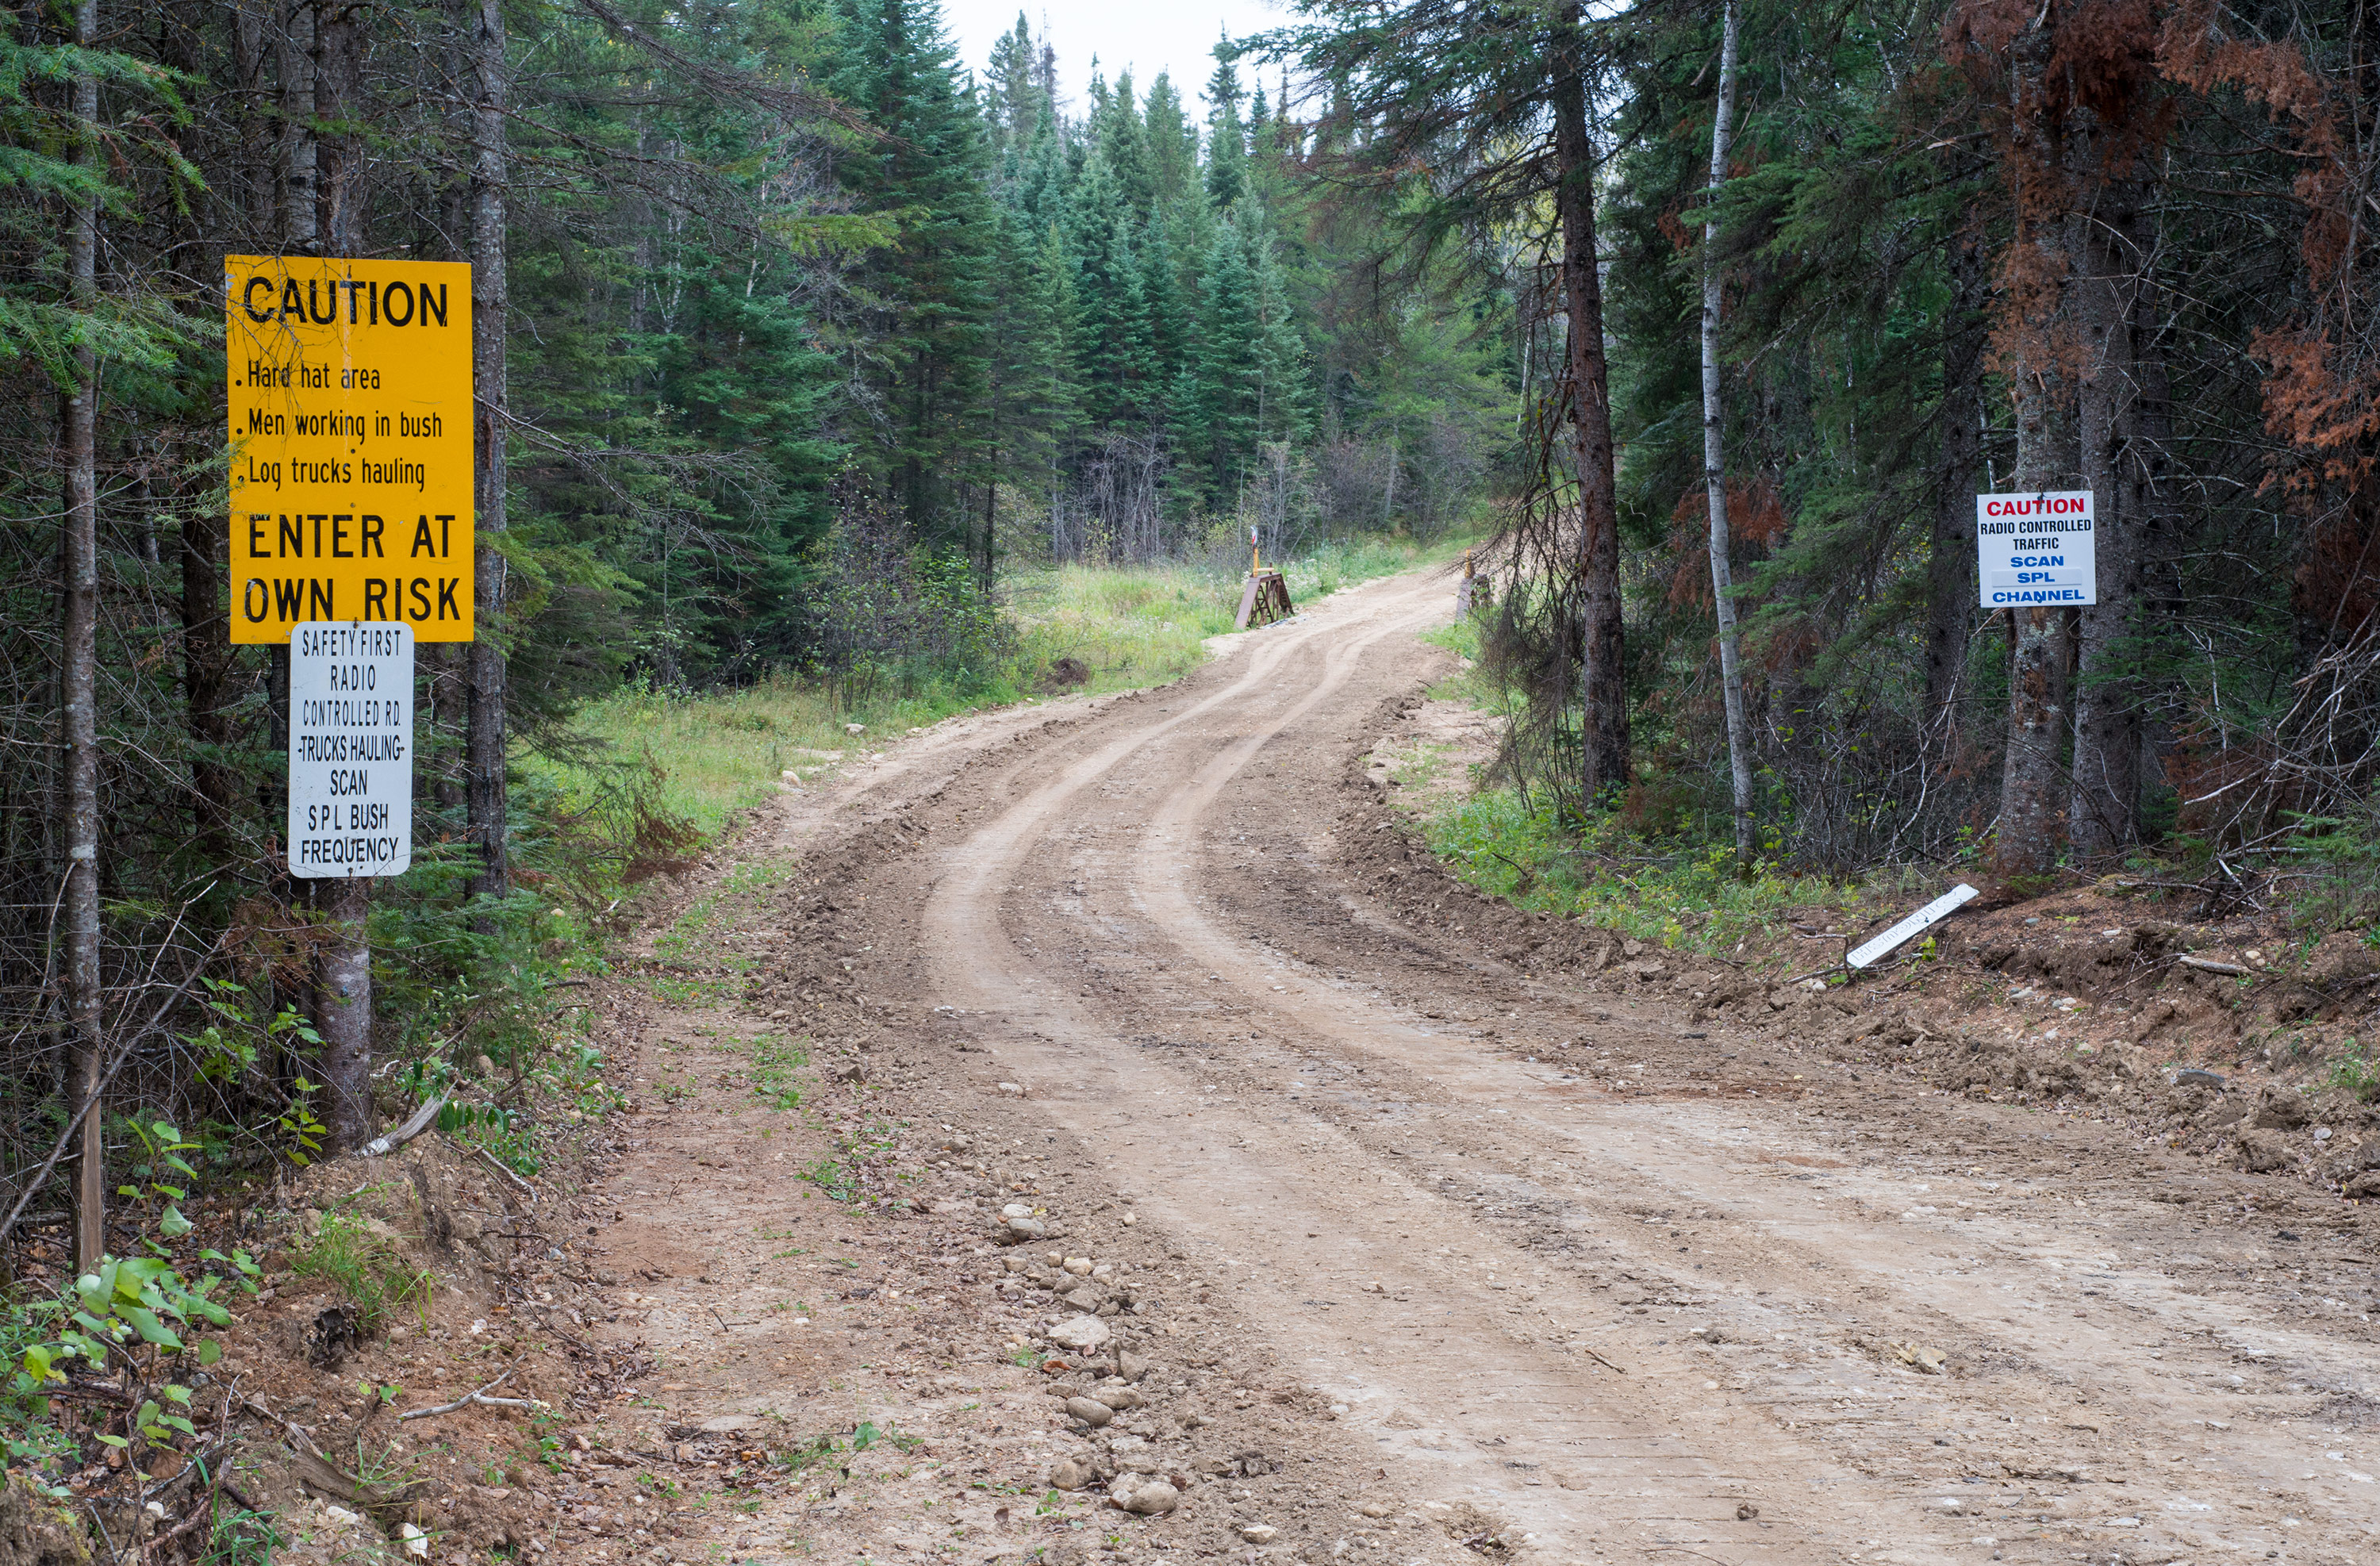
x,y
1682,894
1128,624
712,755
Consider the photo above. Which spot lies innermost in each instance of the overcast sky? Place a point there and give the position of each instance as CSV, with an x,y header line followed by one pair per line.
x,y
1148,35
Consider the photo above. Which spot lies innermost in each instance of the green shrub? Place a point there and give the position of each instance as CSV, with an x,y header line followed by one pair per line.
x,y
128,1310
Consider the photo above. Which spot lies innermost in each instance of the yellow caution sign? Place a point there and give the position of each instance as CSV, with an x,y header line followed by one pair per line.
x,y
349,387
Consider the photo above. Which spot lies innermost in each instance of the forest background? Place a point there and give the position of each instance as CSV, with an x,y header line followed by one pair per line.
x,y
830,378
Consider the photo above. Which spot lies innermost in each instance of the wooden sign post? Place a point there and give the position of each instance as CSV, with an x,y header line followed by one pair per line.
x,y
349,392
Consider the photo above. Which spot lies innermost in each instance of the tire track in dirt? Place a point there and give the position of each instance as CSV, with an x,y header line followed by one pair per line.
x,y
1645,1485
1651,1458
1316,1089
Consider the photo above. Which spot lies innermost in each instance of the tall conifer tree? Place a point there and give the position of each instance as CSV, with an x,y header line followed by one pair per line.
x,y
1226,137
928,366
1172,145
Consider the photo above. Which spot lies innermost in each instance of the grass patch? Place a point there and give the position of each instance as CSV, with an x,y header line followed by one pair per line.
x,y
775,1063
1128,626
242,1538
1675,890
722,752
2357,1073
1142,624
855,1171
1685,897
365,1266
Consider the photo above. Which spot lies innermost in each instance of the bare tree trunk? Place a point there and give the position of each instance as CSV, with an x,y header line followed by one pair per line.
x,y
256,124
1950,591
2032,824
296,81
2106,699
338,71
78,682
1731,673
206,671
343,1005
1603,640
343,995
2150,492
484,743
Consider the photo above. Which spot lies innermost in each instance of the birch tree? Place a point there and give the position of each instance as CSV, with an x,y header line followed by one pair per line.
x,y
78,673
1730,673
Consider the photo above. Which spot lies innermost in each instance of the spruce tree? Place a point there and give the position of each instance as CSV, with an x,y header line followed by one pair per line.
x,y
1220,398
1226,139
1285,405
1172,145
1045,186
1136,394
1012,102
927,369
1090,236
1170,322
1120,138
1049,329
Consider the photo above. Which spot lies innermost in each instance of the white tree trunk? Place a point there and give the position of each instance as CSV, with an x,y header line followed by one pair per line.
x,y
78,681
1730,673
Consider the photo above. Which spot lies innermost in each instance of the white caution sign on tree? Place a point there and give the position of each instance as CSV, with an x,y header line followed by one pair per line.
x,y
350,749
2037,549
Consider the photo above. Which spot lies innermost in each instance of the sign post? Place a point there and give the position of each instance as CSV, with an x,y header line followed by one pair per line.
x,y
2037,549
349,385
350,750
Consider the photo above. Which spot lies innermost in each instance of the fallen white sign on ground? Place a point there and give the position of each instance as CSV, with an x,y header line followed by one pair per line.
x,y
1934,913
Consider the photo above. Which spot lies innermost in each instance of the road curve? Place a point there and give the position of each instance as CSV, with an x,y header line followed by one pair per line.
x,y
1627,1325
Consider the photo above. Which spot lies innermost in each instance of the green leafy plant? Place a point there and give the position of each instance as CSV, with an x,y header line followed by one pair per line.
x,y
866,1434
301,1125
774,1062
242,1538
129,1311
834,1177
125,1299
161,1146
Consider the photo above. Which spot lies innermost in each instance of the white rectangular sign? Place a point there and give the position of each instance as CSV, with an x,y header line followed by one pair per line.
x,y
350,749
2037,548
1933,914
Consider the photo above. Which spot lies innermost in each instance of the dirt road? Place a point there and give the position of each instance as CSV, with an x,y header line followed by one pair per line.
x,y
1409,1253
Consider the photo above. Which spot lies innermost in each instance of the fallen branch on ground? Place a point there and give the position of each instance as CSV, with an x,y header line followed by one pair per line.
x,y
479,1397
497,1164
415,1124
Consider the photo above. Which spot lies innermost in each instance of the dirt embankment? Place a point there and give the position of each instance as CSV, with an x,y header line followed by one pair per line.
x,y
2236,1038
